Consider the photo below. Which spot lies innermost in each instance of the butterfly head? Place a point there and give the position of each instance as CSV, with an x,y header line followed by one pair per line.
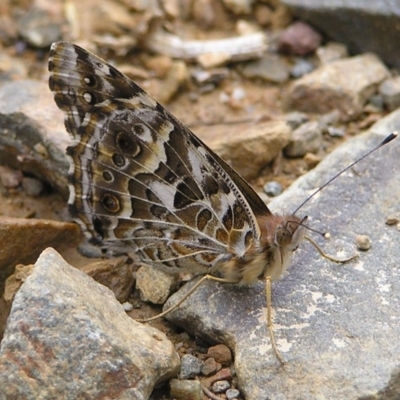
x,y
290,233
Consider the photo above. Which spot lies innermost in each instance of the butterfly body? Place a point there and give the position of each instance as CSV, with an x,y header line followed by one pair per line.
x,y
142,182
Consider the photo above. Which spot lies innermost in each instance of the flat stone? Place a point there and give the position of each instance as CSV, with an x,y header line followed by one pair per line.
x,y
22,240
33,138
250,150
306,138
345,85
270,68
333,323
67,337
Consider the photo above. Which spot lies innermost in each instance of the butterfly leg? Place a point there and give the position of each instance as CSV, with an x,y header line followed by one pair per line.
x,y
270,324
203,279
327,256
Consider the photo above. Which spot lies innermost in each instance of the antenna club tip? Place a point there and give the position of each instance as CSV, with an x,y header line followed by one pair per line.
x,y
327,235
389,138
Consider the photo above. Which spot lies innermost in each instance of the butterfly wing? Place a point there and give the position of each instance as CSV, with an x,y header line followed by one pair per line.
x,y
142,181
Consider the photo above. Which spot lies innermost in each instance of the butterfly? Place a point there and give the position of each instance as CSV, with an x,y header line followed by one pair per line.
x,y
141,182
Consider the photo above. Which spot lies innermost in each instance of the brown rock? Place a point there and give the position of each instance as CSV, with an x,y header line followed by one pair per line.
x,y
251,149
22,240
221,354
114,273
345,85
14,282
299,39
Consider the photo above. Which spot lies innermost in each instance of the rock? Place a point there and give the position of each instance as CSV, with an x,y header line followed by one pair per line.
x,y
154,285
299,39
185,389
323,321
207,14
33,126
363,242
224,374
10,178
301,67
220,386
345,85
306,138
296,118
32,186
190,366
176,77
262,14
238,7
311,160
22,240
273,188
390,91
232,394
39,27
67,336
250,150
335,131
11,68
362,26
269,68
332,51
210,366
114,273
221,354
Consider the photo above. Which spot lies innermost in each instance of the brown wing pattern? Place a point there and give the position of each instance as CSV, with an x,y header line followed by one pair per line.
x,y
140,180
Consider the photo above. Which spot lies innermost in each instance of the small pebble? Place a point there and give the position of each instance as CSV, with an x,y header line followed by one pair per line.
x,y
363,242
301,67
185,389
335,132
232,394
221,386
210,366
311,160
33,187
296,118
127,306
272,188
392,221
190,366
10,178
221,354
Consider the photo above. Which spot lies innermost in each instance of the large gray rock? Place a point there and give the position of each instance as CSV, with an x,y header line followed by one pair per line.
x,y
364,25
336,325
67,337
32,133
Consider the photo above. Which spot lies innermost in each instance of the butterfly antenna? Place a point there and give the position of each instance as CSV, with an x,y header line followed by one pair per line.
x,y
385,141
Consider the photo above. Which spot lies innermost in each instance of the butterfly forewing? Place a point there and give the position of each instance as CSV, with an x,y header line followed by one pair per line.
x,y
140,180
